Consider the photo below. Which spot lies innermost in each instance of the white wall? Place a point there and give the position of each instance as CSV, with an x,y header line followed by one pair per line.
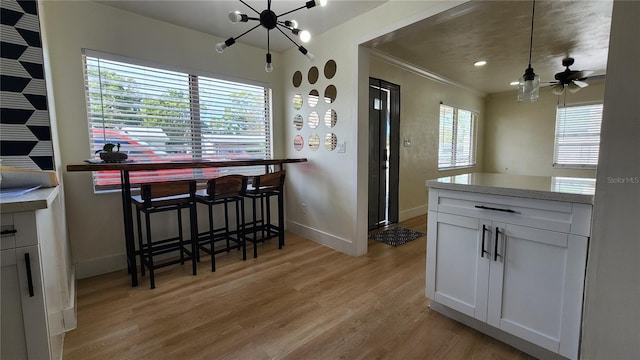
x,y
420,99
519,137
334,185
611,328
95,221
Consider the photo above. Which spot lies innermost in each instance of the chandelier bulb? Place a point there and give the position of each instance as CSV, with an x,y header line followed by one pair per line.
x,y
323,2
223,45
310,56
237,16
268,67
220,47
305,36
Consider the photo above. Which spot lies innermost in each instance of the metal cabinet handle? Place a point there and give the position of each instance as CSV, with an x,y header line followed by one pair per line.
x,y
495,250
494,209
8,232
27,261
484,229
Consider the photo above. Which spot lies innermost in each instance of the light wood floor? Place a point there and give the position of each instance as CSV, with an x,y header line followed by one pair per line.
x,y
305,301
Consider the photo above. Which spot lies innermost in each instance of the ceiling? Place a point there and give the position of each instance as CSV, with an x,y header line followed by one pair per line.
x,y
447,44
211,16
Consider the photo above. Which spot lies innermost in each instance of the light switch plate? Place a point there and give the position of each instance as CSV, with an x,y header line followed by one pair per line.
x,y
342,147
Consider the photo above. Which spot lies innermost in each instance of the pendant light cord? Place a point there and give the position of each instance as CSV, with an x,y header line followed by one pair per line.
x,y
533,13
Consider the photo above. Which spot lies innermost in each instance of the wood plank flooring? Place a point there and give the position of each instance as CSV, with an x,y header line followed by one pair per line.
x,y
305,301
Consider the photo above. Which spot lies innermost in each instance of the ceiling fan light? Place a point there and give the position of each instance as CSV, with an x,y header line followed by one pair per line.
x,y
573,87
557,89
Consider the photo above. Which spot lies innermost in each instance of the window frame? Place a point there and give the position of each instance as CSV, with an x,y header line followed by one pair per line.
x,y
196,123
566,165
473,138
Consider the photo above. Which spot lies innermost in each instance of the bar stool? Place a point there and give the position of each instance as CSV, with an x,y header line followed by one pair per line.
x,y
164,197
262,188
223,190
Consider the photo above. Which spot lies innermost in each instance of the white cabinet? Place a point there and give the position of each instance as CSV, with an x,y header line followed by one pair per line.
x,y
501,265
23,305
33,282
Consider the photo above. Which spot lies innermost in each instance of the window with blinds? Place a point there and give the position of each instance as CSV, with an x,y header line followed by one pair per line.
x,y
456,146
577,139
158,115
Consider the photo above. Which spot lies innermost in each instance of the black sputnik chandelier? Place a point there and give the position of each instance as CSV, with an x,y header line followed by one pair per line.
x,y
270,21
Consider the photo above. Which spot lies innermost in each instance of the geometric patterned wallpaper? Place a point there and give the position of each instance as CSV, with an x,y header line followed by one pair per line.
x,y
25,130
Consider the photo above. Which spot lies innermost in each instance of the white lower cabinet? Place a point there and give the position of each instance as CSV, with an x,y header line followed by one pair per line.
x,y
23,305
32,281
526,281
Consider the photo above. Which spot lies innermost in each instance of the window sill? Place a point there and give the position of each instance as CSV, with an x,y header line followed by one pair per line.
x,y
457,168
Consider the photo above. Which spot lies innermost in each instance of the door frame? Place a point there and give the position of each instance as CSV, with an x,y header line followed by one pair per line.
x,y
394,150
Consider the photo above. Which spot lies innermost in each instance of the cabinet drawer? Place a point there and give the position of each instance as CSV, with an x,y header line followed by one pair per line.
x,y
558,216
18,230
8,238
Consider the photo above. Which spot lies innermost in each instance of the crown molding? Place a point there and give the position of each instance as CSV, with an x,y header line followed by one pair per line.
x,y
421,72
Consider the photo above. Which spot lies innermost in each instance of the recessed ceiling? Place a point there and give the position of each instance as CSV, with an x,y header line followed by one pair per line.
x,y
499,32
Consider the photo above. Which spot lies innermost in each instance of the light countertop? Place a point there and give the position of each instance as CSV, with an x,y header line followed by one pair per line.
x,y
34,200
579,190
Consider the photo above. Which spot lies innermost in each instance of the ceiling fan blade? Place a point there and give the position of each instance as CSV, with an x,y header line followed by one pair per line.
x,y
575,75
575,86
581,84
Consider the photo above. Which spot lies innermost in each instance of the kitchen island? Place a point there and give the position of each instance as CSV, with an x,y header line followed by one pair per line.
x,y
507,255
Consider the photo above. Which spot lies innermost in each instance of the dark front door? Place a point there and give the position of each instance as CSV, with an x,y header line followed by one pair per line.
x,y
384,140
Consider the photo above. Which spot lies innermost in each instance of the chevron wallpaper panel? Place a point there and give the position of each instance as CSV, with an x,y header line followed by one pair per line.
x,y
25,130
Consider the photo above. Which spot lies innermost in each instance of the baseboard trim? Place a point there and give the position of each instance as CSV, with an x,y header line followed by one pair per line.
x,y
516,342
70,312
321,237
414,212
99,266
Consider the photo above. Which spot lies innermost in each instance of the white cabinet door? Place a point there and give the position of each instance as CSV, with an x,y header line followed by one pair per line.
x,y
534,291
457,268
22,306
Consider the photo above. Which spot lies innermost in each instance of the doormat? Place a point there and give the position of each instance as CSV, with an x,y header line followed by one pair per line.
x,y
396,236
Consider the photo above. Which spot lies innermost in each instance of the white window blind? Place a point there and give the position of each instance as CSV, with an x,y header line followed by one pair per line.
x,y
456,146
159,115
577,139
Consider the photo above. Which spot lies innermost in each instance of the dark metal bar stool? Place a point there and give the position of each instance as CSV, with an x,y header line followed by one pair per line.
x,y
163,197
223,190
262,188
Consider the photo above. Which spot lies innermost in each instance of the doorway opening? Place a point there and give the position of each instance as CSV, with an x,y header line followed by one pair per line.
x,y
384,157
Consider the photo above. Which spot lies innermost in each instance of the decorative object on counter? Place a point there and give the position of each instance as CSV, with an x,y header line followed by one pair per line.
x,y
108,155
396,236
529,84
270,20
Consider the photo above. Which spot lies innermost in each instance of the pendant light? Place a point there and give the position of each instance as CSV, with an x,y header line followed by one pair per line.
x,y
529,84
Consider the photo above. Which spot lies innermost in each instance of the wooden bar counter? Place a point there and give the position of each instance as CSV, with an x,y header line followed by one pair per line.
x,y
126,167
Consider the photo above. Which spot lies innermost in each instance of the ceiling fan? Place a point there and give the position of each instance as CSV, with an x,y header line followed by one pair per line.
x,y
572,80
